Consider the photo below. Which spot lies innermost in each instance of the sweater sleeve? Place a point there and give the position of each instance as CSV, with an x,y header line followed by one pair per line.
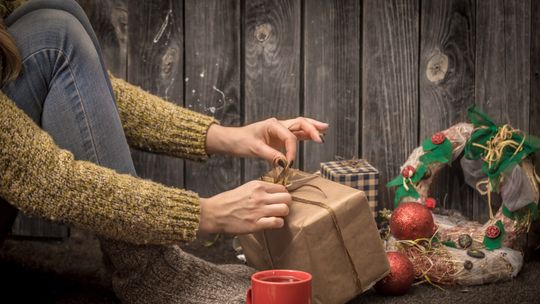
x,y
155,125
41,179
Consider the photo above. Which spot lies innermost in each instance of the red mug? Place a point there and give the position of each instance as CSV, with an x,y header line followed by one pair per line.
x,y
280,287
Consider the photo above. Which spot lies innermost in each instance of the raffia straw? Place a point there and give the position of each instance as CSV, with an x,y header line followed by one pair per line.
x,y
494,149
495,146
487,192
431,262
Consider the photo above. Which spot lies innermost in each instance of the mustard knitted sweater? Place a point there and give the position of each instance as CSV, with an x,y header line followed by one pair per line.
x,y
39,178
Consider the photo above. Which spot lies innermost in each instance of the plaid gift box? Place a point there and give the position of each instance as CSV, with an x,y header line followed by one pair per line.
x,y
356,173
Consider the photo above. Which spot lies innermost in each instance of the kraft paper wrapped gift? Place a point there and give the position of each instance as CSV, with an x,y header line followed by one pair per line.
x,y
329,233
356,173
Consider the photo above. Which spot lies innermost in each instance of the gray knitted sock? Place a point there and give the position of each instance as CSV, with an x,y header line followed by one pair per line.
x,y
166,274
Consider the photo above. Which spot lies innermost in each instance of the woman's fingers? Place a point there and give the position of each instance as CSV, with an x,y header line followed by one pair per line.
x,y
302,124
266,152
278,198
269,223
276,210
277,130
274,188
306,128
321,126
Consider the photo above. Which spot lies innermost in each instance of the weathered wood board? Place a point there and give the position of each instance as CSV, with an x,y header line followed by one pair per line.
x,y
212,82
332,78
155,63
271,66
447,58
389,87
502,78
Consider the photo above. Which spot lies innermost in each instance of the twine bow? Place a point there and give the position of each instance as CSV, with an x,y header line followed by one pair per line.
x,y
354,162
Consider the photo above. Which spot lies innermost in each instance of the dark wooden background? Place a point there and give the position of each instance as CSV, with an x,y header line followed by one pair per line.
x,y
383,74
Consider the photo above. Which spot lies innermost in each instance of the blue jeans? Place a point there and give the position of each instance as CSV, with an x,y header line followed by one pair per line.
x,y
64,86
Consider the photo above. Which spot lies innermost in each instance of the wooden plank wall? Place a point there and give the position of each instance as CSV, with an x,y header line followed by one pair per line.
x,y
384,74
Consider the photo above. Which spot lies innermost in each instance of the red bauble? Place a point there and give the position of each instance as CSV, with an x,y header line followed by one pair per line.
x,y
430,203
411,221
493,232
438,138
400,278
408,171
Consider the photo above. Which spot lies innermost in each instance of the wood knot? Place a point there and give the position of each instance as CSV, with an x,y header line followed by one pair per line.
x,y
437,67
263,32
168,61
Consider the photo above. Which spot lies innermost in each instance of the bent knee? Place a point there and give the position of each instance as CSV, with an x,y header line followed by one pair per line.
x,y
50,29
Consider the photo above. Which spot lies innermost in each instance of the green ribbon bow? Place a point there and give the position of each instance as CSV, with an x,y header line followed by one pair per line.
x,y
499,146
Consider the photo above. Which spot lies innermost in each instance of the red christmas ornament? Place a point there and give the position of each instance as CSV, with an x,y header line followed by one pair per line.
x,y
430,203
408,171
493,232
438,138
400,278
411,221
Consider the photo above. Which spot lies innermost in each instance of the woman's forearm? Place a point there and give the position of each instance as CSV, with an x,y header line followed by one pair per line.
x,y
41,179
155,125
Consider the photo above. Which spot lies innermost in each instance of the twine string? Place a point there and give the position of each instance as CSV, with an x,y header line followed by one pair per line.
x,y
283,178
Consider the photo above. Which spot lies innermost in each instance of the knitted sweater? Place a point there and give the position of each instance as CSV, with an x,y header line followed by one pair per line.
x,y
39,178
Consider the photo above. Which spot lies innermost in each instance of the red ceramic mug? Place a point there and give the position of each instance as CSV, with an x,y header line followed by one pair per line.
x,y
280,287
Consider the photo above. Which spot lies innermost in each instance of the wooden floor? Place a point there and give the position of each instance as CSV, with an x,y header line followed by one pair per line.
x,y
72,272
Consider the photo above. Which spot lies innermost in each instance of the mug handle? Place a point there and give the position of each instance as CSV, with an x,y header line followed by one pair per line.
x,y
248,296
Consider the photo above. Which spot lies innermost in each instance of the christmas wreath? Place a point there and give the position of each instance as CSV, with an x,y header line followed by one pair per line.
x,y
496,159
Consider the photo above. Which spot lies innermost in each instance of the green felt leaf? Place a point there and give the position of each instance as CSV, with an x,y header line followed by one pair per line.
x,y
501,227
479,118
433,158
439,153
534,211
419,174
446,148
402,192
427,145
395,182
509,214
450,244
521,214
495,243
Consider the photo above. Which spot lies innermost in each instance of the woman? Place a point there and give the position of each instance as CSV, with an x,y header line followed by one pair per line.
x,y
76,166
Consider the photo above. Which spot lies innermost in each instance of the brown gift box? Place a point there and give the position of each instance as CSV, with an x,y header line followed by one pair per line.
x,y
330,232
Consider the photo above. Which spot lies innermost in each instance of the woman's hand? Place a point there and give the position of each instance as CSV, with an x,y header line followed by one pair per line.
x,y
264,139
254,206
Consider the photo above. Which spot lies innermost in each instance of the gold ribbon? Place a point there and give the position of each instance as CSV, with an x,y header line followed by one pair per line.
x,y
283,178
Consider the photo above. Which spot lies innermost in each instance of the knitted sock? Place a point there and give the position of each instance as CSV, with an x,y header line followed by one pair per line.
x,y
167,274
